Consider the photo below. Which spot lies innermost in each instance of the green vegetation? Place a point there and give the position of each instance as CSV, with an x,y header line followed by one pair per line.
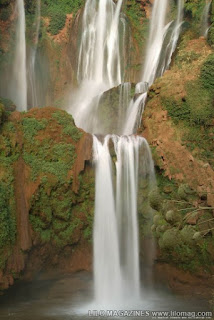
x,y
57,10
7,217
194,8
67,122
138,21
8,155
53,159
31,126
207,74
176,236
56,212
196,109
195,113
193,13
5,13
211,29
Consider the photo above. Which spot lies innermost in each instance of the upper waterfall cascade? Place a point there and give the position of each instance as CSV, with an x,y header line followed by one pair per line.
x,y
158,57
205,19
33,85
100,66
18,92
101,62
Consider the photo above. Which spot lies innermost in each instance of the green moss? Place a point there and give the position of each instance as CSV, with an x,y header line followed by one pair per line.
x,y
5,13
207,73
138,22
2,113
200,102
194,9
194,114
7,203
57,10
67,121
47,156
31,126
176,110
39,165
211,35
7,103
155,199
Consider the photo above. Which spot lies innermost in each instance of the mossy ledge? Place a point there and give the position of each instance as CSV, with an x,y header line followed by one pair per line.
x,y
47,194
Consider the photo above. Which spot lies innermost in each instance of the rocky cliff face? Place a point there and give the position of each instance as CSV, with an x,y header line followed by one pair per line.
x,y
47,194
178,123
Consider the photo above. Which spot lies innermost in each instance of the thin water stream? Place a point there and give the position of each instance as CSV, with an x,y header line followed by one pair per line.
x,y
18,85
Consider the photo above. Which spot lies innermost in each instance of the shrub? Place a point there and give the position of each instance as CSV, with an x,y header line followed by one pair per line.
x,y
207,73
5,13
210,38
194,8
57,10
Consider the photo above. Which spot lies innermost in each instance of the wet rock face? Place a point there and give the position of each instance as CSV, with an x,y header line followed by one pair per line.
x,y
48,187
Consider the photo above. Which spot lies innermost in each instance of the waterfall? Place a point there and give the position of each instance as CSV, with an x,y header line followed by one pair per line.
x,y
205,19
99,61
157,33
120,161
99,55
172,44
107,273
18,87
134,112
158,58
116,240
33,92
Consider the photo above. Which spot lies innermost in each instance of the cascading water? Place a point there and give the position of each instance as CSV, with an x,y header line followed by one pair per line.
x,y
157,33
32,90
107,276
154,66
205,19
172,44
99,62
116,243
18,92
116,247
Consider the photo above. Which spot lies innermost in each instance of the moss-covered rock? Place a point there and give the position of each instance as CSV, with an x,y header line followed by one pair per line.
x,y
52,189
187,234
185,192
155,199
170,239
173,217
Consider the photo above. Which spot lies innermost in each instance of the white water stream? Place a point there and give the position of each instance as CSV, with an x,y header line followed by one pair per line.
x,y
18,86
154,66
205,19
99,62
33,88
116,240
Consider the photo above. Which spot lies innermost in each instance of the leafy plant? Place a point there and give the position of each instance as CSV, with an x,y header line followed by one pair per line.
x,y
57,10
207,73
